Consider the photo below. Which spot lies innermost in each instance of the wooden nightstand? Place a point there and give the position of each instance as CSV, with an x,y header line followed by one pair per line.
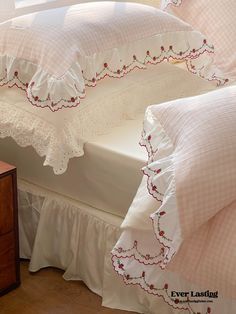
x,y
9,241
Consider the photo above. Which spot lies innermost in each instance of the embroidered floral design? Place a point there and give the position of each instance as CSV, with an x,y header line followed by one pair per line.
x,y
123,257
163,291
166,3
134,252
164,54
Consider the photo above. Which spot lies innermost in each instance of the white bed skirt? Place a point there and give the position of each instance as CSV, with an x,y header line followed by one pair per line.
x,y
59,232
56,231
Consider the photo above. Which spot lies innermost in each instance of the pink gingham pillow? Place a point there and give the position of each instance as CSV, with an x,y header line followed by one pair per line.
x,y
216,19
196,139
53,55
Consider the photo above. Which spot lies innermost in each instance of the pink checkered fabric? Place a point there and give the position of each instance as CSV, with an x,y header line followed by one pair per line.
x,y
189,192
214,18
54,54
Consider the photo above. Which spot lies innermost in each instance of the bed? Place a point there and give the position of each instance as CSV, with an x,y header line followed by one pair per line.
x,y
70,215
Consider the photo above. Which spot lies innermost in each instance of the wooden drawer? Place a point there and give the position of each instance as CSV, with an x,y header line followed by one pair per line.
x,y
9,243
8,271
6,205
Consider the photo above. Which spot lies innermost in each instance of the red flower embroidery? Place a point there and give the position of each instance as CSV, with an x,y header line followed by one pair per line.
x,y
161,233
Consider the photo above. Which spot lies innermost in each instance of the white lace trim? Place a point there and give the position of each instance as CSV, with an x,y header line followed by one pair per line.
x,y
27,129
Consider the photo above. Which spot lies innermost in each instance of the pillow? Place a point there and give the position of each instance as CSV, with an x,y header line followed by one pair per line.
x,y
192,141
53,55
215,19
189,192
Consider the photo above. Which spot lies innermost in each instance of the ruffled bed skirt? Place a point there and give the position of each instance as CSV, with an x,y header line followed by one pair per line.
x,y
59,232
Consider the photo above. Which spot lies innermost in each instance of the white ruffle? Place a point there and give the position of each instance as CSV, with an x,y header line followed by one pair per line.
x,y
159,284
45,90
161,184
58,232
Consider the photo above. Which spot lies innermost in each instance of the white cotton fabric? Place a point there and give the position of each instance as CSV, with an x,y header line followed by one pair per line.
x,y
57,232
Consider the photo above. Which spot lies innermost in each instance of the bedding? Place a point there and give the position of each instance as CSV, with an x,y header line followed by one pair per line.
x,y
215,19
108,174
60,136
88,42
182,219
53,69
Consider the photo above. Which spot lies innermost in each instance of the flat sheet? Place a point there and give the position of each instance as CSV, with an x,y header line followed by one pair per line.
x,y
108,175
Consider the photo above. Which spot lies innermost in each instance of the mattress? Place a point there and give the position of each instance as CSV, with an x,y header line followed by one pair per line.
x,y
108,174
106,177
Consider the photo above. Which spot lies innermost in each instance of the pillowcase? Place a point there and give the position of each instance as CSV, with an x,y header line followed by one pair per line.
x,y
53,55
215,19
192,141
189,192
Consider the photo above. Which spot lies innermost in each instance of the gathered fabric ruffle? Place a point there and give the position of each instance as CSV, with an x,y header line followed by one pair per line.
x,y
45,90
